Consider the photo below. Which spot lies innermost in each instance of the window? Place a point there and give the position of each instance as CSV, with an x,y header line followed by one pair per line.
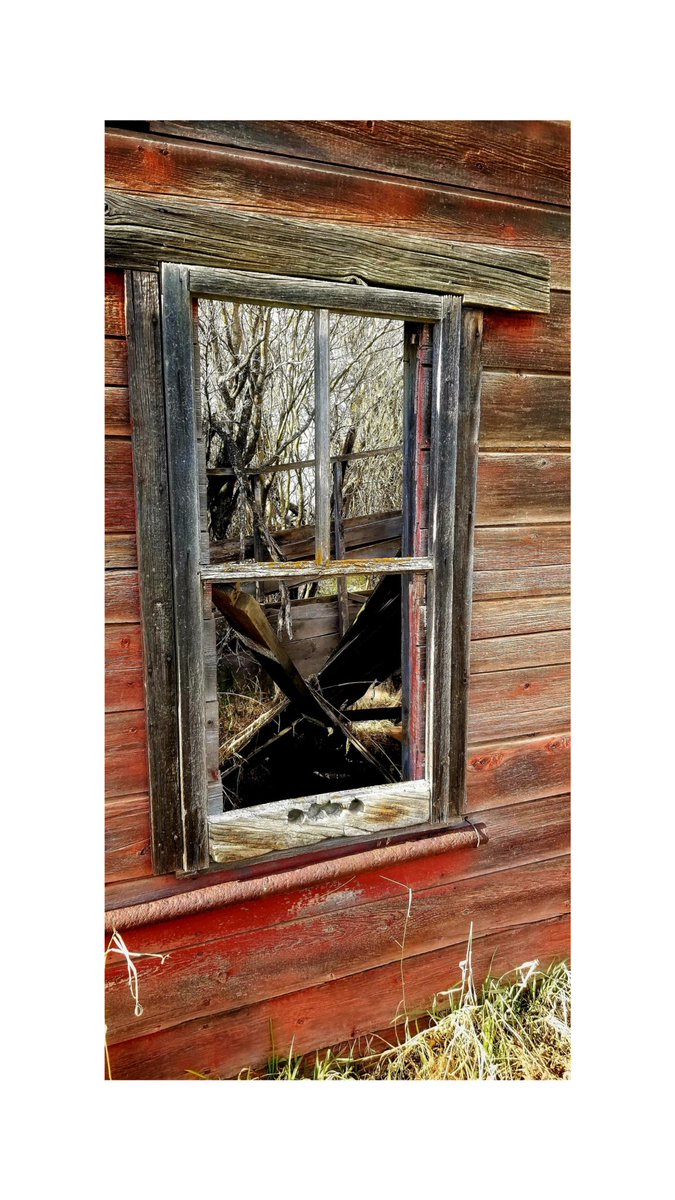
x,y
299,765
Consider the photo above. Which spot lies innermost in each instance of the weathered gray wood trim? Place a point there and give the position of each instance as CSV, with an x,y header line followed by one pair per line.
x,y
249,570
322,436
153,533
144,231
273,469
266,828
310,294
185,549
442,541
468,422
411,346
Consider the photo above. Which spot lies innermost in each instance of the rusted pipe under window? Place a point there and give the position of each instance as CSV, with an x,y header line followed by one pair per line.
x,y
187,904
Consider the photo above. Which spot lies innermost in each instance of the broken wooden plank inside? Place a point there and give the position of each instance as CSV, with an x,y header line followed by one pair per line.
x,y
248,619
340,728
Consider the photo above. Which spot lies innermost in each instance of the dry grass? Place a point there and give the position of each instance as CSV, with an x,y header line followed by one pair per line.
x,y
517,1027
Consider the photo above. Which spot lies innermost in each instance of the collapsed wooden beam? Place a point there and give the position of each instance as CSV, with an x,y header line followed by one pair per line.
x,y
248,619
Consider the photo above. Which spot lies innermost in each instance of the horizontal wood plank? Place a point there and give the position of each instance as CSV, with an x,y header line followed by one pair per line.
x,y
521,547
522,489
515,158
120,551
312,294
528,342
498,700
301,571
519,411
507,618
286,824
249,967
143,230
341,1010
435,868
534,581
126,772
515,772
116,362
285,187
114,304
127,838
122,603
120,507
117,423
123,647
124,690
530,650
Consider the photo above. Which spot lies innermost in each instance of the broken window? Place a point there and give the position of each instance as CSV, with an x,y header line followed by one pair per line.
x,y
313,435
308,668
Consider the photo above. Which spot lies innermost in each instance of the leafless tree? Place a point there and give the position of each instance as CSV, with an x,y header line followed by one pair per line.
x,y
258,411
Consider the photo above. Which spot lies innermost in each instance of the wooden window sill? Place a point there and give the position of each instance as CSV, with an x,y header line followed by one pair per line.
x,y
218,888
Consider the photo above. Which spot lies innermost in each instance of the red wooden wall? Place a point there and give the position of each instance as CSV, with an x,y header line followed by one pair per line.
x,y
321,963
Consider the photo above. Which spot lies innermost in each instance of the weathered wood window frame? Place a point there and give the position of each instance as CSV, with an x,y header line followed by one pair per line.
x,y
173,578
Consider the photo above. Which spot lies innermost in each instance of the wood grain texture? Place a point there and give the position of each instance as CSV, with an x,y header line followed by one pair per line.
x,y
517,771
312,294
468,419
146,397
126,771
442,529
330,896
524,411
223,1045
114,304
124,690
286,187
120,508
143,230
514,703
521,489
182,463
507,618
123,647
500,772
304,821
301,571
115,362
417,374
534,581
508,653
528,342
128,853
120,550
116,415
515,158
519,548
122,601
249,967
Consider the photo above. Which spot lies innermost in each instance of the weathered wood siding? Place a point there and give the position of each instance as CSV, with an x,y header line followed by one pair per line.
x,y
320,965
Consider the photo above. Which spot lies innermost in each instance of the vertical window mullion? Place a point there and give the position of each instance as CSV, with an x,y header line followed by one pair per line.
x,y
322,436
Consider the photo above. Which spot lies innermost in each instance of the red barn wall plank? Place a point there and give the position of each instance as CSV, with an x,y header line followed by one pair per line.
x,y
245,968
223,1045
282,186
515,158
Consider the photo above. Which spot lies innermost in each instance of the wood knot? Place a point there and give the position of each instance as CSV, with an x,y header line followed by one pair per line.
x,y
487,762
